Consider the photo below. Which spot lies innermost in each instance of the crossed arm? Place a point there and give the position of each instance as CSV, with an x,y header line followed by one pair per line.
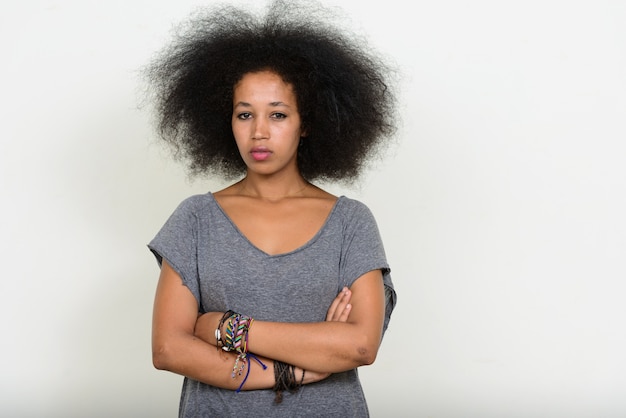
x,y
184,343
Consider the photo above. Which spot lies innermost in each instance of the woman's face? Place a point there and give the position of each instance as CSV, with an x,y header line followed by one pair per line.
x,y
266,123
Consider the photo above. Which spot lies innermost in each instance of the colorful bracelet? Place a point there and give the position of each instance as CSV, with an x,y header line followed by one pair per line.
x,y
236,339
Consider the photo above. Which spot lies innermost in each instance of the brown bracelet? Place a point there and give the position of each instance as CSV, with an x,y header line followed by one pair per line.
x,y
218,331
285,379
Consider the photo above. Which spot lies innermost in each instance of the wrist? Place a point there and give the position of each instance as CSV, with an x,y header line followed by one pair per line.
x,y
286,378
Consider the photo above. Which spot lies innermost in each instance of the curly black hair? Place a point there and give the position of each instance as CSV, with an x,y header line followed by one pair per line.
x,y
345,99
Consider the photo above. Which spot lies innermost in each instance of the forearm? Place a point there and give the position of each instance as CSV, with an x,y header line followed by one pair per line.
x,y
189,356
321,346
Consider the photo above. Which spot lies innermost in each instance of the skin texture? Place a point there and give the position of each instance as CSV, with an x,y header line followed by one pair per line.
x,y
278,211
265,107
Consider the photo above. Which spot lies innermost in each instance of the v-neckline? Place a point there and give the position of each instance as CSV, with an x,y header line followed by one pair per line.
x,y
285,253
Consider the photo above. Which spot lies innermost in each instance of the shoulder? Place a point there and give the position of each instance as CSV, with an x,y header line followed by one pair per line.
x,y
355,215
353,208
194,205
196,200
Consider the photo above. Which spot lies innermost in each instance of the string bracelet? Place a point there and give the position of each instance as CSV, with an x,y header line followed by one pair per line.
x,y
236,339
285,380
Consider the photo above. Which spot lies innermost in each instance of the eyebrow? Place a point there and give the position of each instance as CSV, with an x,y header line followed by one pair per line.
x,y
275,104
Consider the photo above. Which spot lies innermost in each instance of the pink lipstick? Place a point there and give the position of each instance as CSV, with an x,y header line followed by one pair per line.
x,y
260,153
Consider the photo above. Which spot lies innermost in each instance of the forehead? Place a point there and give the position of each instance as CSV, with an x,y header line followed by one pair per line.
x,y
263,82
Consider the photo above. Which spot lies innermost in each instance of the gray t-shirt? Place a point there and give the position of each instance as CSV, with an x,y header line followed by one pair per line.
x,y
224,270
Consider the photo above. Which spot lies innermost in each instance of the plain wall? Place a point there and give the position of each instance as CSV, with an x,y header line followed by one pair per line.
x,y
501,207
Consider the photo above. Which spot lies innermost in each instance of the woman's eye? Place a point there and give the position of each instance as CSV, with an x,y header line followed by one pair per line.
x,y
244,116
279,116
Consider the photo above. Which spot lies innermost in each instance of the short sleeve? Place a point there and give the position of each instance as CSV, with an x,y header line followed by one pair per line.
x,y
363,251
177,243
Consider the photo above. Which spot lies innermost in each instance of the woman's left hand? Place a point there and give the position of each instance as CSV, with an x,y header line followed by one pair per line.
x,y
339,309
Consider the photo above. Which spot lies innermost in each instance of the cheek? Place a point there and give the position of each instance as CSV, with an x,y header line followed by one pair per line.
x,y
238,131
238,139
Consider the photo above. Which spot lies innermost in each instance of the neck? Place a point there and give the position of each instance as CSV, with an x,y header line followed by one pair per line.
x,y
273,191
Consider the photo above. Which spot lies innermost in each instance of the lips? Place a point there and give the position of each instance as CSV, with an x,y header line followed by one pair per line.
x,y
260,153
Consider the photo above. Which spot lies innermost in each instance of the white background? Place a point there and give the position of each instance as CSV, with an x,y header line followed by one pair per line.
x,y
502,208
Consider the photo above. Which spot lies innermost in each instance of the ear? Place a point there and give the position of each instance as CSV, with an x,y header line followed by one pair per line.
x,y
304,132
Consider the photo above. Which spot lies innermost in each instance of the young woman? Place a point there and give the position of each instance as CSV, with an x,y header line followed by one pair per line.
x,y
272,291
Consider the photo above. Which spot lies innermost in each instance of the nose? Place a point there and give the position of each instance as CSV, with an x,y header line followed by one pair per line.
x,y
261,130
